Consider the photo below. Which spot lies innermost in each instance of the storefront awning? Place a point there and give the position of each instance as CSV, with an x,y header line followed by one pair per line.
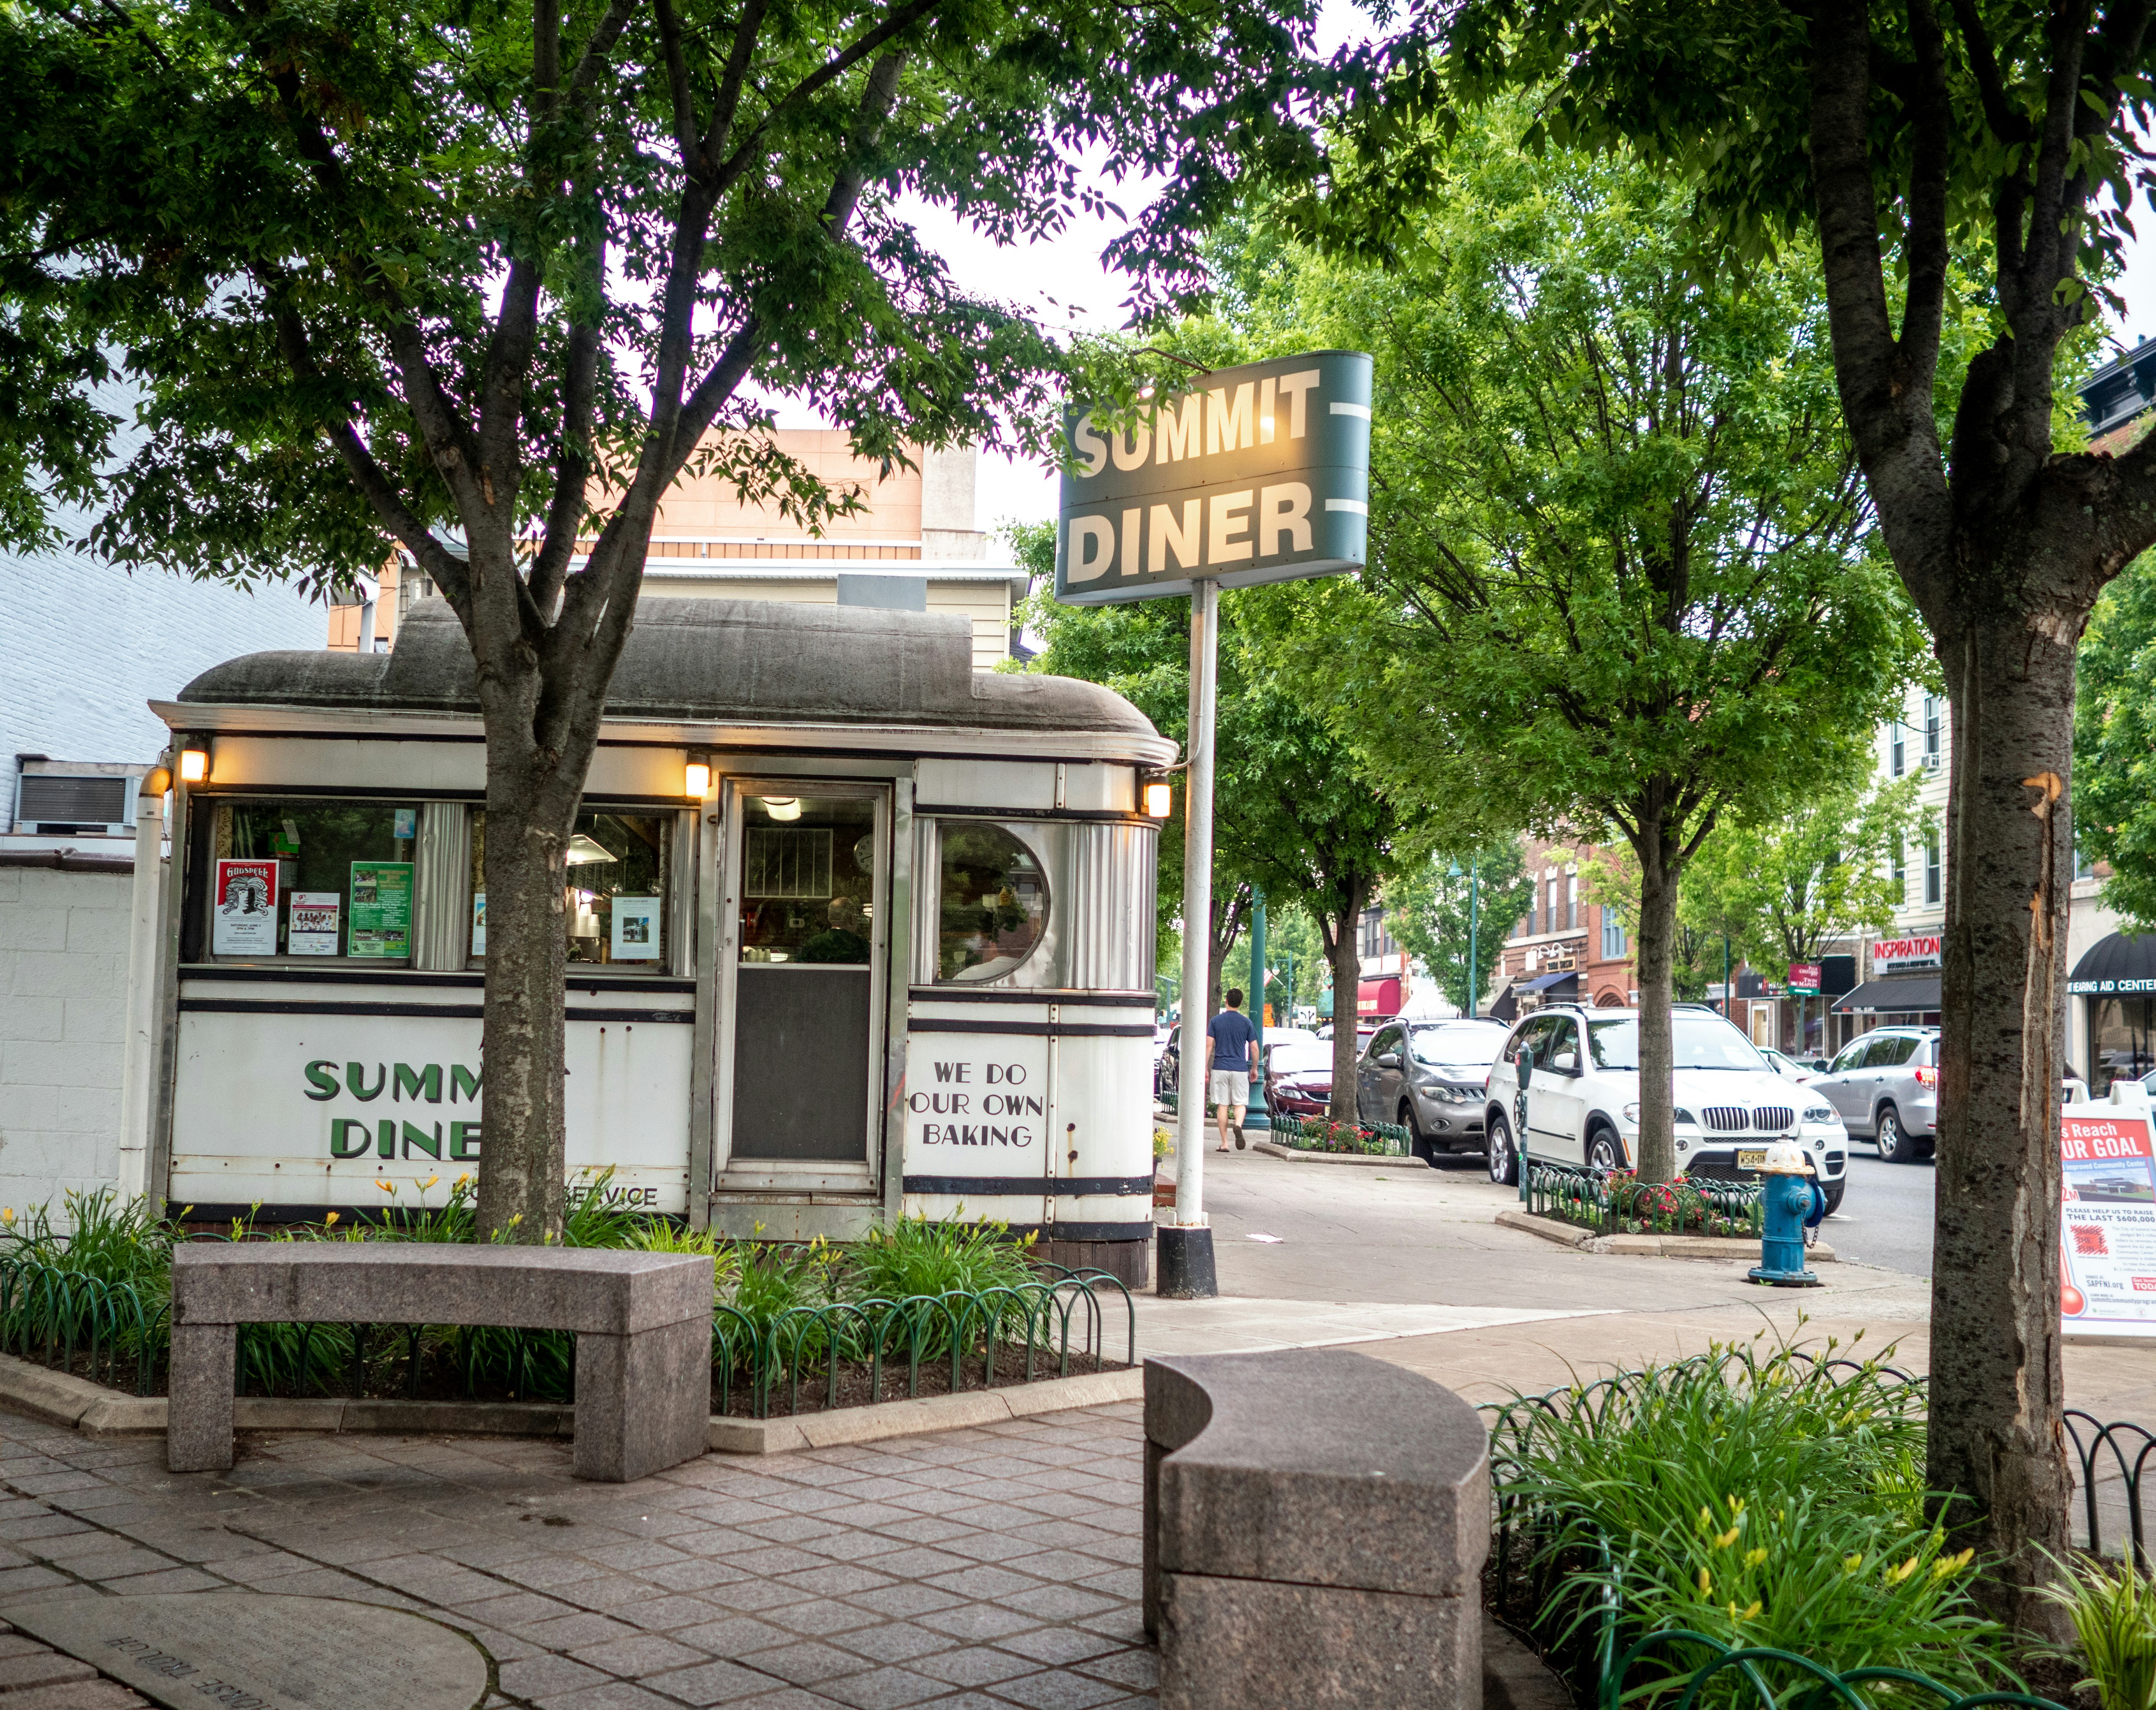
x,y
2123,963
1554,985
1916,992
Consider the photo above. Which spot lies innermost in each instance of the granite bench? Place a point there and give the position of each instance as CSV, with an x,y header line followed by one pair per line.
x,y
643,1324
1315,1523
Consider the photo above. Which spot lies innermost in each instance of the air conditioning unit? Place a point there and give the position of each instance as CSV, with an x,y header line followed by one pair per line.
x,y
75,804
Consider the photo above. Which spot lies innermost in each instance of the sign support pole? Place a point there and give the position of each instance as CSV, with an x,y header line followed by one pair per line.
x,y
1186,1246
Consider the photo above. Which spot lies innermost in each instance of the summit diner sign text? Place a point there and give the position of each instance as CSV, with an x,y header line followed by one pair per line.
x,y
1255,474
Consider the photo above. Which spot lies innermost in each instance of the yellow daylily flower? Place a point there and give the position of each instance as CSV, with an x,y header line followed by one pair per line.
x,y
7,1216
429,1183
1754,1558
1727,1538
1850,1565
1706,1583
1895,1576
330,1222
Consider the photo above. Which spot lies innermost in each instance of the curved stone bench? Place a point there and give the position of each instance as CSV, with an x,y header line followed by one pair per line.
x,y
1315,1523
643,1324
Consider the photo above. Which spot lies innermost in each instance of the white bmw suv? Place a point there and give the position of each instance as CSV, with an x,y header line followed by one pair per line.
x,y
1583,1100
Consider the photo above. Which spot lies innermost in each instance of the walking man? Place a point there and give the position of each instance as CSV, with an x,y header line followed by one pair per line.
x,y
1235,1060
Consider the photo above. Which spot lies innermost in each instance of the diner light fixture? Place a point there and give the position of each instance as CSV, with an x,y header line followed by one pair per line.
x,y
696,780
586,851
782,807
194,765
1159,800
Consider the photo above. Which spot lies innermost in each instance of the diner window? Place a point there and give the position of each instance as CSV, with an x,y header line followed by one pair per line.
x,y
808,879
993,901
614,897
311,880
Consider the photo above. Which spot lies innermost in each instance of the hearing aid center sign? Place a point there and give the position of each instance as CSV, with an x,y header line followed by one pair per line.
x,y
975,1104
2106,1223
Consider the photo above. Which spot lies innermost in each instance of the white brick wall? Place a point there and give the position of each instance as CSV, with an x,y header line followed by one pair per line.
x,y
62,997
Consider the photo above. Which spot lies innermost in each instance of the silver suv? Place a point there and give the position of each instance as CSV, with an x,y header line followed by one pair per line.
x,y
1885,1084
1431,1078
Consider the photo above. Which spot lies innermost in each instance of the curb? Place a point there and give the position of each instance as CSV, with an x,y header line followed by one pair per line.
x,y
1651,1246
928,1413
61,1398
1273,1148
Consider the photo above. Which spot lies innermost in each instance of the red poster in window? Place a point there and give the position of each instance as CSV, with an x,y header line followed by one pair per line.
x,y
2107,1221
245,916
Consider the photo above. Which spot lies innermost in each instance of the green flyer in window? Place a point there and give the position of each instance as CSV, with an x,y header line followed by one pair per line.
x,y
380,913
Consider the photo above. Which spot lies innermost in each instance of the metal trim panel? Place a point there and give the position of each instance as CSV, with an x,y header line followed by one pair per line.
x,y
1051,1030
1031,1187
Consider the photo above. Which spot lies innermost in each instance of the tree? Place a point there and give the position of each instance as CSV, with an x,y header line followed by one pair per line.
x,y
1434,903
1620,575
2115,743
1610,879
1821,871
379,272
1963,167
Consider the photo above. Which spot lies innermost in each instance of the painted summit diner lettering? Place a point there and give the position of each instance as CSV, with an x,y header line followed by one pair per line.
x,y
976,1099
393,1137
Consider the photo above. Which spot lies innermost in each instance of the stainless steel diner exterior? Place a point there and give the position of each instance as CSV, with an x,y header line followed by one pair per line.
x,y
856,932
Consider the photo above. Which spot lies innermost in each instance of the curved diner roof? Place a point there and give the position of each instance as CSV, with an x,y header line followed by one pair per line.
x,y
697,670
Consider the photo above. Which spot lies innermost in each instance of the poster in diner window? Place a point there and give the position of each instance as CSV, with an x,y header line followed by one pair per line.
x,y
381,916
2108,1222
246,913
317,917
634,936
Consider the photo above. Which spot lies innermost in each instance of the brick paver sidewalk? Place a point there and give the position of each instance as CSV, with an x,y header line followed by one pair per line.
x,y
979,1569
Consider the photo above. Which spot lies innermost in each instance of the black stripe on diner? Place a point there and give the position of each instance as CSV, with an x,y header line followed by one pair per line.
x,y
219,1214
441,1012
720,751
1091,816
1100,1231
1047,1029
288,973
413,793
1063,1187
964,994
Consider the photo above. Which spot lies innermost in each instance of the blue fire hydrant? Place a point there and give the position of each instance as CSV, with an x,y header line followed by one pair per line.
x,y
1791,1200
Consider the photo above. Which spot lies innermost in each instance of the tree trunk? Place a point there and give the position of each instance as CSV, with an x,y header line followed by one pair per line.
x,y
1227,926
1657,1159
1994,1435
1346,979
524,1163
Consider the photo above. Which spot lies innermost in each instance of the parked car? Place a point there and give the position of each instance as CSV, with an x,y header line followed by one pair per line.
x,y
1788,1067
1885,1084
1298,1076
1431,1078
1582,1099
1166,1063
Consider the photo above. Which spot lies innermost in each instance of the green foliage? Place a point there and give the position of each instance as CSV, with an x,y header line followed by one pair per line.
x,y
2115,742
2112,1608
915,1256
1758,1501
1822,869
1430,911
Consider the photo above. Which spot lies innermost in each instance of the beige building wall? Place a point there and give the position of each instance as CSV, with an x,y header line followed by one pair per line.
x,y
916,527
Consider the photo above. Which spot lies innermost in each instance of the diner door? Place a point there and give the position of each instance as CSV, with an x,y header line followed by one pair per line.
x,y
801,1025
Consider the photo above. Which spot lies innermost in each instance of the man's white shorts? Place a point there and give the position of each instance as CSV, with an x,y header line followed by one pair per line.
x,y
1230,1087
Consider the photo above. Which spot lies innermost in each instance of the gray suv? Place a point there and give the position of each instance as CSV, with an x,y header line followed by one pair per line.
x,y
1885,1084
1431,1078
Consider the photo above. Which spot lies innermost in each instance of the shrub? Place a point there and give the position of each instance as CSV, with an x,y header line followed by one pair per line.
x,y
2112,1608
1758,1502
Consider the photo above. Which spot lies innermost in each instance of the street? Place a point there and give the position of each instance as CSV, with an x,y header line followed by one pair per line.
x,y
1886,1217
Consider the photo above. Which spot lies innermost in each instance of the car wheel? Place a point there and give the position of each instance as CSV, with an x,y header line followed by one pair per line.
x,y
1603,1151
1895,1145
1833,1191
1419,1144
1504,1162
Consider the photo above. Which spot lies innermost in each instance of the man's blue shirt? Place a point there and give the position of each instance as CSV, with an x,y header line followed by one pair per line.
x,y
1231,1034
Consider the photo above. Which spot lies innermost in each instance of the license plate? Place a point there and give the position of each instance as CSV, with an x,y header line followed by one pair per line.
x,y
1751,1160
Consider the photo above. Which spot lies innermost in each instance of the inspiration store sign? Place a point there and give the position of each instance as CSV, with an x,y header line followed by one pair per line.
x,y
1256,474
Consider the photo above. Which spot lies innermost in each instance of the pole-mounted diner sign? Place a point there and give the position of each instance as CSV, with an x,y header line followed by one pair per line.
x,y
1256,474
1248,474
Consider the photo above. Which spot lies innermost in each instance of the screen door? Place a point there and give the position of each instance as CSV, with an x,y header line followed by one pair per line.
x,y
805,877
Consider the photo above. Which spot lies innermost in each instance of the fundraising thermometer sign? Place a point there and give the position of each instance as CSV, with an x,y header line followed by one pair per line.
x,y
2107,1222
1255,474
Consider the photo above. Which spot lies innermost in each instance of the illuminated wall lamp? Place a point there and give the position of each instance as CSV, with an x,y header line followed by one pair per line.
x,y
194,765
1159,799
696,780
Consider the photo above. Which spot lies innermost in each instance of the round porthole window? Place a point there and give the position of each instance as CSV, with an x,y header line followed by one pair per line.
x,y
993,906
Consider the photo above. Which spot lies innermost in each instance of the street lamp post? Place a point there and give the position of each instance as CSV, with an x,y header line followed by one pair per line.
x,y
1259,1113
